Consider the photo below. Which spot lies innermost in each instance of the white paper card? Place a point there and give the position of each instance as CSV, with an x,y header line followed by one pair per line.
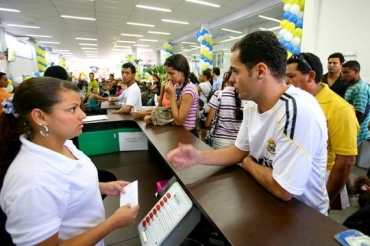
x,y
95,118
129,141
131,195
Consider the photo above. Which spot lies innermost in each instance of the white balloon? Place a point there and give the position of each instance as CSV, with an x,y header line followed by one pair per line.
x,y
205,47
282,32
9,89
294,9
288,36
296,41
287,7
200,39
300,15
18,80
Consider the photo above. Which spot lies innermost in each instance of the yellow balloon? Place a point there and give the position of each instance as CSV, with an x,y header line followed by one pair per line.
x,y
294,1
286,1
290,26
297,32
283,23
289,54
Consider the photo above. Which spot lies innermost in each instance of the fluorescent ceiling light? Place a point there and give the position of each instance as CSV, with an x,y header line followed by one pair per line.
x,y
148,40
87,48
131,35
87,39
269,18
78,17
141,45
47,42
90,51
175,21
152,8
139,24
188,43
204,3
60,50
162,33
128,42
39,36
118,50
16,25
120,46
230,39
229,30
66,53
87,44
9,10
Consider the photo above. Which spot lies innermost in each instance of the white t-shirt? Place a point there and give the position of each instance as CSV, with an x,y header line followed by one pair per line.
x,y
206,89
133,97
290,138
45,192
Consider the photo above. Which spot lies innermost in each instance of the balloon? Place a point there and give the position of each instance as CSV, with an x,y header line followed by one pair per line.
x,y
290,26
296,50
288,46
292,18
283,23
282,32
299,23
301,4
296,41
294,9
287,7
200,38
286,15
288,36
289,54
286,1
300,15
297,32
282,41
294,1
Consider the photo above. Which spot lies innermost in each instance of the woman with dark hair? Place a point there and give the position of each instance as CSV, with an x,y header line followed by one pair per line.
x,y
204,89
182,93
230,114
50,192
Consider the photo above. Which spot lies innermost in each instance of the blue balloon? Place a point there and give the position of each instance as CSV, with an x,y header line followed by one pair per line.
x,y
292,18
296,50
282,41
286,15
204,42
299,23
288,46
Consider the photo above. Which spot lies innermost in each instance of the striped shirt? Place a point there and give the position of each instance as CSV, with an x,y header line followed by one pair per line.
x,y
191,89
359,96
227,126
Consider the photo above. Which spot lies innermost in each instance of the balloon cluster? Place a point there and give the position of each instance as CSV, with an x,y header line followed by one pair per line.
x,y
204,37
63,63
291,33
40,57
129,58
167,49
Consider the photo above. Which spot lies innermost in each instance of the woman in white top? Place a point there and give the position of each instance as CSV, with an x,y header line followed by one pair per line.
x,y
51,193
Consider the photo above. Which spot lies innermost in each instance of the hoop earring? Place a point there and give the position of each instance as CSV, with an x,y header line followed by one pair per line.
x,y
44,132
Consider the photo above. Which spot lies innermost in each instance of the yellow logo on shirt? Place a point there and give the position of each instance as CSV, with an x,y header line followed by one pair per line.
x,y
271,146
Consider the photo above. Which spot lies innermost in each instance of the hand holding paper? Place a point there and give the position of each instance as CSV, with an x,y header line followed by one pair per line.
x,y
131,194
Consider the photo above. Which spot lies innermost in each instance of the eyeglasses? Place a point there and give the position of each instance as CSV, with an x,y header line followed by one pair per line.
x,y
299,57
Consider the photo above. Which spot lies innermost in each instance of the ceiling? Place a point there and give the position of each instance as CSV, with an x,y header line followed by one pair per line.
x,y
111,17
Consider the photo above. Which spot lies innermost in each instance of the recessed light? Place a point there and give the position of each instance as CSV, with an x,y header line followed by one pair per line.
x,y
148,40
47,42
204,3
139,24
131,35
128,42
162,33
269,18
87,39
175,21
78,17
25,26
152,8
39,36
9,10
87,44
229,30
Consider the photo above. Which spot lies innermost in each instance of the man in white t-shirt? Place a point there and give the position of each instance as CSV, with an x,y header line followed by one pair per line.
x,y
132,97
283,136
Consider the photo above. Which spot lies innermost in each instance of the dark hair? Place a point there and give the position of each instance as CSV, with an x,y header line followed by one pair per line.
x,y
111,74
353,65
193,78
361,186
179,63
129,65
208,75
2,74
216,71
312,60
42,93
56,72
262,46
337,55
238,102
158,78
92,73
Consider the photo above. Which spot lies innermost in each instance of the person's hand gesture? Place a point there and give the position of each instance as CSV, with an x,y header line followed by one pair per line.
x,y
170,89
114,188
125,215
148,119
183,156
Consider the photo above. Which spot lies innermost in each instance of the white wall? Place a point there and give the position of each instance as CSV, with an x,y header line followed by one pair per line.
x,y
338,26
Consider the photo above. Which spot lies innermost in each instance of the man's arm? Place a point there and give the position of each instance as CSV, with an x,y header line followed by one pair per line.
x,y
263,175
339,175
124,110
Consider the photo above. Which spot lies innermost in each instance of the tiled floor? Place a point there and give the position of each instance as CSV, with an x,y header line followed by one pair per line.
x,y
340,216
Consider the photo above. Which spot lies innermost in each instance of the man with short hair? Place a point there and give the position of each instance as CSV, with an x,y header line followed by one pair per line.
x,y
283,136
217,80
357,94
305,71
132,96
334,77
3,93
93,83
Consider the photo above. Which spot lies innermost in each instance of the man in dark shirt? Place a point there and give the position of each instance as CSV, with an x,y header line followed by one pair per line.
x,y
334,77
